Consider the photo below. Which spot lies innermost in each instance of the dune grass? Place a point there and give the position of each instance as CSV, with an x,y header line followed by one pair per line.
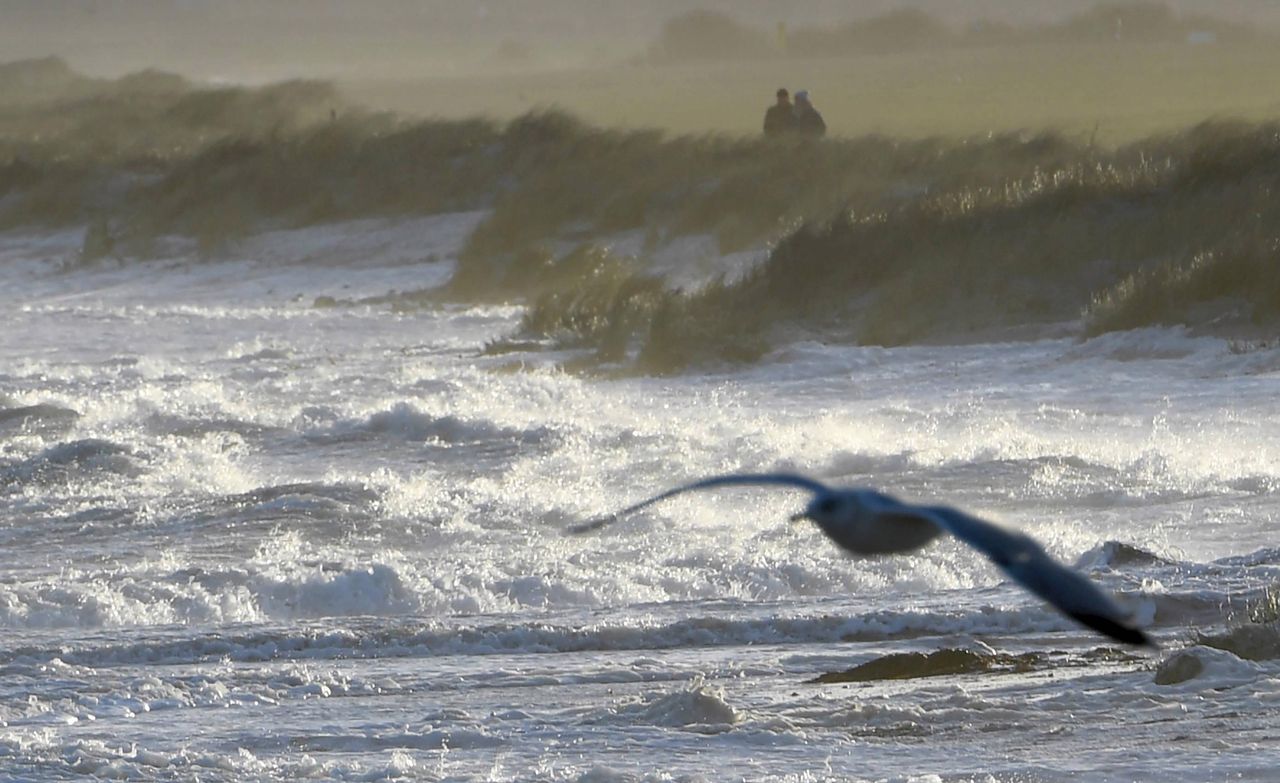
x,y
874,239
1142,236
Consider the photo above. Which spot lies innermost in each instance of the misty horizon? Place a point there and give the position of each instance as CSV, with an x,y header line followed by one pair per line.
x,y
255,42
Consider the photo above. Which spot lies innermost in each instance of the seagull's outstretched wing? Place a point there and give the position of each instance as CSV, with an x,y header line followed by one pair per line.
x,y
731,480
1026,562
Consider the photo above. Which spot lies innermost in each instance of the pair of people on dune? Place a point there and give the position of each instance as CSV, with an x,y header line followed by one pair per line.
x,y
785,118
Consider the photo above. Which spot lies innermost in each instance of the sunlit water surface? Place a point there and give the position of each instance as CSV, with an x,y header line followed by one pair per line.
x,y
250,537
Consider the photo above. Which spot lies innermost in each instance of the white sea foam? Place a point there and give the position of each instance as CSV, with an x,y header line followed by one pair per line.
x,y
697,706
1204,668
268,523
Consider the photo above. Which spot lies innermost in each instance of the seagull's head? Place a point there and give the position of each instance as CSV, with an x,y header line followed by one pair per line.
x,y
829,510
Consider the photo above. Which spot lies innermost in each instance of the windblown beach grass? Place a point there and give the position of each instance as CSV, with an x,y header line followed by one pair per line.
x,y
1174,230
873,239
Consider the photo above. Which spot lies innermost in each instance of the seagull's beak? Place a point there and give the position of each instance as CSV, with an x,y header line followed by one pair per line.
x,y
801,517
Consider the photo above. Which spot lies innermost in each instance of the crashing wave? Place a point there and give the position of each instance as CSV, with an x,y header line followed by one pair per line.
x,y
80,458
698,707
42,418
1206,667
1118,554
322,590
405,422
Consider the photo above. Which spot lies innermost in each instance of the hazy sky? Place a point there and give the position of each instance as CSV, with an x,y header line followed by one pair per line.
x,y
259,40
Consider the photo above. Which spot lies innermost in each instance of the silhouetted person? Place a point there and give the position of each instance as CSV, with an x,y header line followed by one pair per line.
x,y
780,119
808,122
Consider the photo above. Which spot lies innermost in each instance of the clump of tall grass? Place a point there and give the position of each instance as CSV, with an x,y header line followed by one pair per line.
x,y
1156,228
1242,276
564,179
152,116
601,301
72,147
333,171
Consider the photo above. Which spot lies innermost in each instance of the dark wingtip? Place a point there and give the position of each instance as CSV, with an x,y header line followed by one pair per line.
x,y
1118,631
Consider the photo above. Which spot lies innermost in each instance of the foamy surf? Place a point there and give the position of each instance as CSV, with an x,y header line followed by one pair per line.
x,y
267,539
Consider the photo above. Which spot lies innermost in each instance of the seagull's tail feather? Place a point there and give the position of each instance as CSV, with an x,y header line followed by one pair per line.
x,y
1116,630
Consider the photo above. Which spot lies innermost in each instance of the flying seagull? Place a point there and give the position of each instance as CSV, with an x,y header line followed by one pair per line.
x,y
866,523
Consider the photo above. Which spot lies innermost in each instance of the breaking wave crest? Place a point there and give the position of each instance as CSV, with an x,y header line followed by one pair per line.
x,y
198,427
1206,667
312,497
42,418
255,592
376,590
405,422
1117,554
72,460
699,706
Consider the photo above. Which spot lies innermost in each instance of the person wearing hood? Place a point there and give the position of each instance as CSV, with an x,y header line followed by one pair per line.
x,y
808,122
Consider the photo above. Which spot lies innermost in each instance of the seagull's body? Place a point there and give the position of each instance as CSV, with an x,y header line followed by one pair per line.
x,y
867,523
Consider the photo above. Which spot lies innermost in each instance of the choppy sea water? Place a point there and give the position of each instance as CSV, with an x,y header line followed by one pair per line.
x,y
246,537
